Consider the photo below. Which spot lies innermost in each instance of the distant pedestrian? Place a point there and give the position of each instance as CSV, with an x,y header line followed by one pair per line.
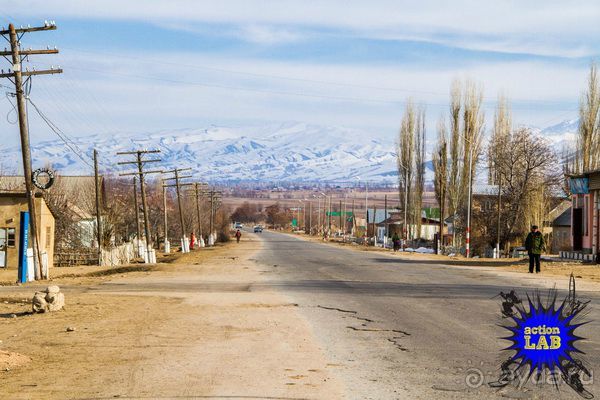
x,y
535,246
238,235
396,241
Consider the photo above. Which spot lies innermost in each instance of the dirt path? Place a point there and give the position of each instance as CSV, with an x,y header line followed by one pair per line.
x,y
193,329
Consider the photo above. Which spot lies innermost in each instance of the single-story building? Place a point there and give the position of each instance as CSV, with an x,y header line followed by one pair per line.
x,y
585,227
395,224
11,205
561,232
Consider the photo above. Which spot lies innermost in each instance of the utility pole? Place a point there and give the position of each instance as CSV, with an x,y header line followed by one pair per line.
x,y
385,225
178,186
310,217
367,204
499,222
167,245
353,218
470,194
329,216
140,162
304,215
341,216
16,77
98,217
374,226
214,197
198,188
137,214
405,208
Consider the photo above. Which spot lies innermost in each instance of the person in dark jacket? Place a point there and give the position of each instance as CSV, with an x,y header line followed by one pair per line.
x,y
396,241
535,246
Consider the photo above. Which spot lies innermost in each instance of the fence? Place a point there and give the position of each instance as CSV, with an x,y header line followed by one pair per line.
x,y
113,256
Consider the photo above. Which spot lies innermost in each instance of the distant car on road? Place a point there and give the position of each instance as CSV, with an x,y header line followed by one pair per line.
x,y
258,229
239,225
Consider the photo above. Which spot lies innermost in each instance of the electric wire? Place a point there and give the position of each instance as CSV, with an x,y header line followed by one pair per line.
x,y
66,140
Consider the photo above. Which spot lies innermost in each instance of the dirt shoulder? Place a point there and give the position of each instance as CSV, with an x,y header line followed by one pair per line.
x,y
189,328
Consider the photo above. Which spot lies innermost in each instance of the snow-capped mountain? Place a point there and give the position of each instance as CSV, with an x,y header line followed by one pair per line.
x,y
562,135
272,152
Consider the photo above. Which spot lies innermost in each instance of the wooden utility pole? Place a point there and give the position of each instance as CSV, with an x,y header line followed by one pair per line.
x,y
310,217
341,216
165,224
140,162
353,218
214,197
385,216
137,212
16,77
98,215
198,188
374,222
178,186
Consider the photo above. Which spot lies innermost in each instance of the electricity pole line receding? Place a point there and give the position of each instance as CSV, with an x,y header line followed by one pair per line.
x,y
214,198
177,185
140,162
15,74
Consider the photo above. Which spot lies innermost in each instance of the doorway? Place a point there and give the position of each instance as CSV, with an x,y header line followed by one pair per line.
x,y
577,229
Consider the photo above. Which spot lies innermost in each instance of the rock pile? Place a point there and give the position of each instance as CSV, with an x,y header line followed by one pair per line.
x,y
50,299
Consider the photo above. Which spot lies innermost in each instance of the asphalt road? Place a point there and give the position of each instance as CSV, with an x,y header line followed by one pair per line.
x,y
393,328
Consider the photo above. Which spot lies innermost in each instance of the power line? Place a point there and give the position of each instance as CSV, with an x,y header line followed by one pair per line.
x,y
66,140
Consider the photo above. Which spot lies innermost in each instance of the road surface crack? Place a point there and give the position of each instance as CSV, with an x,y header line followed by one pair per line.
x,y
378,330
396,342
338,309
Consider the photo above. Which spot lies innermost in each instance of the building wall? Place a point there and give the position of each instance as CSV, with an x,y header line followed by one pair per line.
x,y
10,208
561,239
585,202
47,228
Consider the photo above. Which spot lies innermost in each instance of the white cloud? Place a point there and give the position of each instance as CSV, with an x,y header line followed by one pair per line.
x,y
564,28
85,101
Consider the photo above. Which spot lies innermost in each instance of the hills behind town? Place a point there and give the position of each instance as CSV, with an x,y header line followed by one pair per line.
x,y
290,151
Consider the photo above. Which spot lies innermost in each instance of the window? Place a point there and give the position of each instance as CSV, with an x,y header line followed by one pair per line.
x,y
48,236
11,237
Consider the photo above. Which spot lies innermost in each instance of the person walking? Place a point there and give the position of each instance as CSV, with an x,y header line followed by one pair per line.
x,y
535,246
238,235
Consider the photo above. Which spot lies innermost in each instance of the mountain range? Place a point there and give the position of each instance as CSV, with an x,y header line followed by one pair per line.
x,y
292,151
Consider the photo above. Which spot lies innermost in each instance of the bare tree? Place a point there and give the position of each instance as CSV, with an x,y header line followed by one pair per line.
x,y
455,150
588,146
440,170
530,174
473,119
405,153
419,171
498,142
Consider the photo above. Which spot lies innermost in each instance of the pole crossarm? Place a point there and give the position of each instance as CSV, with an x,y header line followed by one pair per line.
x,y
32,73
181,184
121,153
145,173
30,52
46,27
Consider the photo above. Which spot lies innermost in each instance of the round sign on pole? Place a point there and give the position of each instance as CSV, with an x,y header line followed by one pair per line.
x,y
42,178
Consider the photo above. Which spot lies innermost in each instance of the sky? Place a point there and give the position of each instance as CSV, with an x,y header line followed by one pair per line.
x,y
148,65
